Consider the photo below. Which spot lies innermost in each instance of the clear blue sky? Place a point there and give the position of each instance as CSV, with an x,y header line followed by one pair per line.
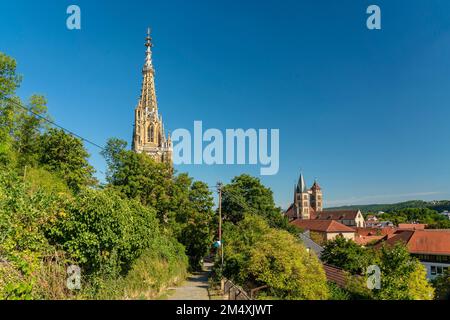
x,y
366,112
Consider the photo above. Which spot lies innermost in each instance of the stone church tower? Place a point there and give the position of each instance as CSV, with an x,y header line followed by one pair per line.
x,y
308,203
148,133
301,199
316,197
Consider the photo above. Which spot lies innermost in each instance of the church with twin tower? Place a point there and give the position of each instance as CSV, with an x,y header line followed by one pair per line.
x,y
148,132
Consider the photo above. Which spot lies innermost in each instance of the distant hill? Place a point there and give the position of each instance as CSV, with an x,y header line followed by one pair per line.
x,y
439,206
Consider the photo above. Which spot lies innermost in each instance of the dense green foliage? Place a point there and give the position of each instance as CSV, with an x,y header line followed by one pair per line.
x,y
403,277
432,218
257,255
181,204
247,195
65,155
374,208
346,254
53,213
442,286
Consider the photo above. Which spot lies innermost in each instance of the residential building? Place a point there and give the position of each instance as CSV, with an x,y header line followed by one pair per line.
x,y
351,218
431,247
321,231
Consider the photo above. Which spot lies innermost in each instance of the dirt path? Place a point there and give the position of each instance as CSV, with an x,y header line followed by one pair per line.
x,y
194,288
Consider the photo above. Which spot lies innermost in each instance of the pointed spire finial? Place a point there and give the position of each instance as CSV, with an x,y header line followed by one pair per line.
x,y
301,185
148,39
148,53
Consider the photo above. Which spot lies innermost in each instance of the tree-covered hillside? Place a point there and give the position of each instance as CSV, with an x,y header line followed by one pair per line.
x,y
438,205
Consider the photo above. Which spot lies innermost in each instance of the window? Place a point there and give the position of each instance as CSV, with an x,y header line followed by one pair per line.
x,y
439,270
150,134
433,270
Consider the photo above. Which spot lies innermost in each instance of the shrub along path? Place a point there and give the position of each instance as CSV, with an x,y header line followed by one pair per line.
x,y
195,287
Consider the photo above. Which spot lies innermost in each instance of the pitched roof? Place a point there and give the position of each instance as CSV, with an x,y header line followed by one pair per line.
x,y
308,243
321,225
335,275
290,212
412,226
363,240
338,214
422,241
374,231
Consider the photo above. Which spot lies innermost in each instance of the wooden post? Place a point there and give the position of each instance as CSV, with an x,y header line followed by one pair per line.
x,y
219,187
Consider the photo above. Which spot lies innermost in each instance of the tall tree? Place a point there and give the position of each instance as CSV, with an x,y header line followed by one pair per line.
x,y
442,286
347,255
257,255
65,154
403,277
138,176
184,206
30,125
9,81
246,194
197,231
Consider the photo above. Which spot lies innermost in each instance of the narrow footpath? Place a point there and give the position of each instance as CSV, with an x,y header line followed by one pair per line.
x,y
195,287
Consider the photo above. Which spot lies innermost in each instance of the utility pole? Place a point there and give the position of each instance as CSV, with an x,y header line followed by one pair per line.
x,y
219,189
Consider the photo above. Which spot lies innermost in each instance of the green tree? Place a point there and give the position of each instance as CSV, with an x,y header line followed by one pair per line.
x,y
257,255
181,205
442,286
30,125
9,81
246,194
104,232
347,255
65,154
138,176
197,231
403,277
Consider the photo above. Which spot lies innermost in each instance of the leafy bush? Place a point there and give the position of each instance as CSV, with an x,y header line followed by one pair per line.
x,y
104,232
257,255
163,264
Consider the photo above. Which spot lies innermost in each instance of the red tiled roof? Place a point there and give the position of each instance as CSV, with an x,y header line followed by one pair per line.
x,y
335,275
290,212
322,225
363,240
338,214
422,241
412,226
374,231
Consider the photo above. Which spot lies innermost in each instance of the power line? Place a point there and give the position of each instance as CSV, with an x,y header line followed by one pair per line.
x,y
54,123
